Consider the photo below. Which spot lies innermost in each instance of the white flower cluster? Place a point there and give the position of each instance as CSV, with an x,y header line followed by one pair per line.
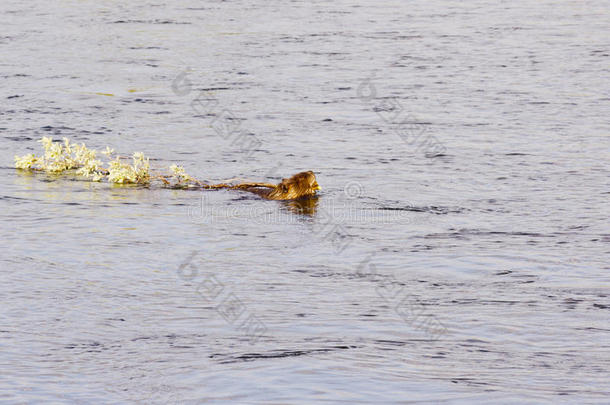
x,y
124,173
61,157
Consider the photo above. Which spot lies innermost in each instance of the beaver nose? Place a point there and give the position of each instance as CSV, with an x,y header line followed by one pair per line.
x,y
317,187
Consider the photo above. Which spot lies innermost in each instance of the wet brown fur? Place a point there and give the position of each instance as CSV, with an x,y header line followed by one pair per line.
x,y
301,185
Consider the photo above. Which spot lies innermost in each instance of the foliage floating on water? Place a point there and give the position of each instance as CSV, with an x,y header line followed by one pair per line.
x,y
70,157
65,157
137,173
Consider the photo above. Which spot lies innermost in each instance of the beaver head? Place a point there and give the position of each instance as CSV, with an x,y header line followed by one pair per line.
x,y
300,185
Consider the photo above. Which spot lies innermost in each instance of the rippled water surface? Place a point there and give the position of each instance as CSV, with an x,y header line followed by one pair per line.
x,y
457,253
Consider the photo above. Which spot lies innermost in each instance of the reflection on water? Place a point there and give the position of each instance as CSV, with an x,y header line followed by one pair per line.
x,y
503,240
302,206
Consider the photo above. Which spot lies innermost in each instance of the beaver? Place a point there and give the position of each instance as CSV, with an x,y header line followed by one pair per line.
x,y
301,185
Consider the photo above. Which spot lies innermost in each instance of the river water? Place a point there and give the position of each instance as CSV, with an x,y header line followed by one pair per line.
x,y
457,253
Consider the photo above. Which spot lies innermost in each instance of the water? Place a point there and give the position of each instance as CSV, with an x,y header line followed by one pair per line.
x,y
473,269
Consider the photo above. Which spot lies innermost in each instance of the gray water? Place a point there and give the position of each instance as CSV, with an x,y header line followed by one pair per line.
x,y
457,253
